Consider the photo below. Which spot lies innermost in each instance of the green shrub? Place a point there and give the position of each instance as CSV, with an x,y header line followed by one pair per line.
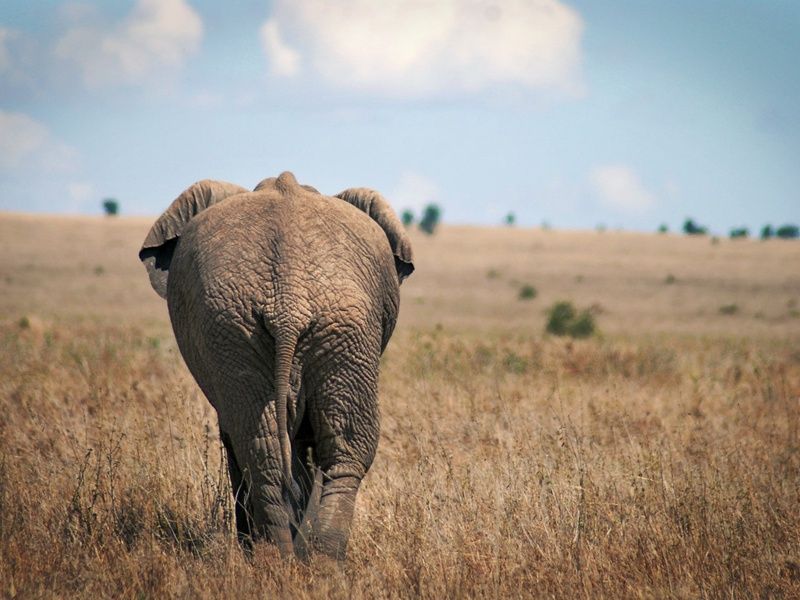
x,y
560,315
729,309
514,363
564,319
670,279
767,232
407,218
430,218
663,228
583,325
527,292
111,207
788,232
692,228
739,232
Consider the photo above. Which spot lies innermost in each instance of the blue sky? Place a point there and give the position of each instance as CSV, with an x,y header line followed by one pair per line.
x,y
577,113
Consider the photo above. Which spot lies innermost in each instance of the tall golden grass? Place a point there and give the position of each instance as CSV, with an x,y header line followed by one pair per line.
x,y
660,458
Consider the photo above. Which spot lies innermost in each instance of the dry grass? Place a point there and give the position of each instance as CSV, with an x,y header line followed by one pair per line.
x,y
660,459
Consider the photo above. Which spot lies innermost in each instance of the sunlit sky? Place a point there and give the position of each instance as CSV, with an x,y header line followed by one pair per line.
x,y
576,113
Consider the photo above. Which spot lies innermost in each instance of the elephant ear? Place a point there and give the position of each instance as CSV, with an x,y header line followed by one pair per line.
x,y
159,245
372,203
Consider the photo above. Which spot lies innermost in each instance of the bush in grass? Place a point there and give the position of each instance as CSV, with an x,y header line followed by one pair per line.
x,y
527,292
564,319
583,325
560,315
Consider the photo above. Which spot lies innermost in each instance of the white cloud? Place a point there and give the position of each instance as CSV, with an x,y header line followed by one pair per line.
x,y
427,47
157,35
619,188
413,191
80,194
283,59
27,143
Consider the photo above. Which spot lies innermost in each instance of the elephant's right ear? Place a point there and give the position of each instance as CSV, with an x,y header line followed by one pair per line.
x,y
159,245
372,203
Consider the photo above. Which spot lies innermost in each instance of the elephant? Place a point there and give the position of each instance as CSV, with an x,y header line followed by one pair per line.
x,y
282,301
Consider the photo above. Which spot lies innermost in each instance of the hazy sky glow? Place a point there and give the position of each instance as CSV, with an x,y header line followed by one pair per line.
x,y
578,113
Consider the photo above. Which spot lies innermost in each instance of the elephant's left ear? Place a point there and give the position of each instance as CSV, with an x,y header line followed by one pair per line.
x,y
156,252
372,203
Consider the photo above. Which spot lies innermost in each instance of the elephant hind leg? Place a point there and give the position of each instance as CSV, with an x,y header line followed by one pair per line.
x,y
309,479
303,470
345,419
256,449
303,533
241,496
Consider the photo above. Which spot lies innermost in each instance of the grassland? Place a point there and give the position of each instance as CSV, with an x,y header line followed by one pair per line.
x,y
660,458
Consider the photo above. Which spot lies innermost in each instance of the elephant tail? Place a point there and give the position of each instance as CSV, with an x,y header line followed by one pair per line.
x,y
285,343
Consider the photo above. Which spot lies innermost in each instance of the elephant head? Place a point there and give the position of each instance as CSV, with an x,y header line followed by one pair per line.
x,y
372,203
159,245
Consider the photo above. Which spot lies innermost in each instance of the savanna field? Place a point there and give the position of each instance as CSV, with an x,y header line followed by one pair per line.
x,y
659,457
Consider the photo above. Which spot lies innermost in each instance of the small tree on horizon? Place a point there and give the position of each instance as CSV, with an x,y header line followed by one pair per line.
x,y
739,232
111,207
692,228
430,218
767,232
407,217
510,219
663,228
788,232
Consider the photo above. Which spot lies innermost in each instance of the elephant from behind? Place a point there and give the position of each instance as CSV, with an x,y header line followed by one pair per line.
x,y
282,301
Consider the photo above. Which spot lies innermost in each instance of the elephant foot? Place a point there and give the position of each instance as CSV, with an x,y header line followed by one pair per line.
x,y
282,538
332,527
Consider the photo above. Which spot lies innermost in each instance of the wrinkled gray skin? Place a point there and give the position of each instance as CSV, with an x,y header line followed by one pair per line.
x,y
282,301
